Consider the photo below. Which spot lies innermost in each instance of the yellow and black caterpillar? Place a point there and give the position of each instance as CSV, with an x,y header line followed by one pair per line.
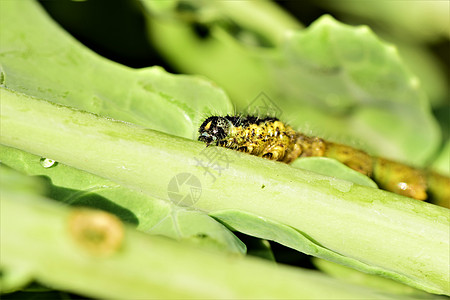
x,y
272,139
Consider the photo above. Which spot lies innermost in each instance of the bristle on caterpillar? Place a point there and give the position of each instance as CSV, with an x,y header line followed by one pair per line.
x,y
270,138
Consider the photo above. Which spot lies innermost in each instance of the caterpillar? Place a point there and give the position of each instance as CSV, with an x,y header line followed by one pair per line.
x,y
270,138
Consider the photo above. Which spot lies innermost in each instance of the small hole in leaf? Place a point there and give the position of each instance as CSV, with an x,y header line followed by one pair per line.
x,y
47,162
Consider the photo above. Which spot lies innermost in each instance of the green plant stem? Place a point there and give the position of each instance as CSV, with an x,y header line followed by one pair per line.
x,y
144,267
407,239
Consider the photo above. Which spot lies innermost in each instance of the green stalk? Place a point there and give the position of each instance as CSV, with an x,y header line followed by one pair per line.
x,y
140,266
399,237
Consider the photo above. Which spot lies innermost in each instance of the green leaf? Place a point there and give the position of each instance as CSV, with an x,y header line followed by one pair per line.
x,y
442,162
375,228
419,21
376,282
415,32
331,167
369,91
428,68
40,59
333,80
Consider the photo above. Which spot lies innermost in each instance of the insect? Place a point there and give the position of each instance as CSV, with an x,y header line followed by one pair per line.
x,y
272,139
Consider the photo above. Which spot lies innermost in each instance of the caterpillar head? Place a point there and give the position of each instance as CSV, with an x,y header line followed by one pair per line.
x,y
214,129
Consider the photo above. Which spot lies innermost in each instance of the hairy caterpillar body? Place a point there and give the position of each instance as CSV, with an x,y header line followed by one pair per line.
x,y
272,139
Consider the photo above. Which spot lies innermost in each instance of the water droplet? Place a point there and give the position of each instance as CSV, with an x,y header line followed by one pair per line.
x,y
402,185
48,163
